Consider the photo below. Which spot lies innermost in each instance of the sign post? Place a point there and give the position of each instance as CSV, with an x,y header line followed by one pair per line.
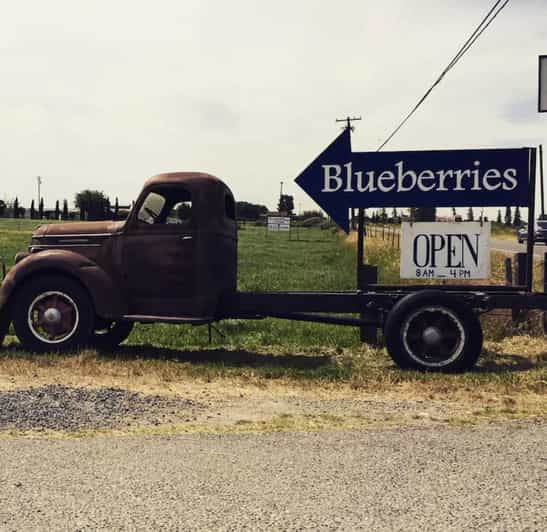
x,y
340,179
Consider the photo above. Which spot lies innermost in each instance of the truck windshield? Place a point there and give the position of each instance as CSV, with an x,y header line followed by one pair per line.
x,y
168,205
151,208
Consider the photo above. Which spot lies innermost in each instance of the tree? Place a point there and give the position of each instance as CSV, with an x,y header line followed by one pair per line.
x,y
470,215
517,220
65,210
423,214
383,215
395,217
57,210
41,209
312,214
454,214
2,207
32,210
507,215
16,208
498,219
249,211
286,204
116,209
93,205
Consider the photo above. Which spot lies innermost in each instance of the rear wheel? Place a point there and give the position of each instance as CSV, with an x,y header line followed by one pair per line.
x,y
52,313
432,331
108,335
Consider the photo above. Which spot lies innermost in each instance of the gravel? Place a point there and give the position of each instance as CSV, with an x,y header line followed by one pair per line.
x,y
56,407
441,478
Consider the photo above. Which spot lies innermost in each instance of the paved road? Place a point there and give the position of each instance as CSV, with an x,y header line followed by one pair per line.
x,y
513,246
489,478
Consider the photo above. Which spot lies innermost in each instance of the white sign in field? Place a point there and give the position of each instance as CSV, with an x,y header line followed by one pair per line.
x,y
439,250
542,101
279,223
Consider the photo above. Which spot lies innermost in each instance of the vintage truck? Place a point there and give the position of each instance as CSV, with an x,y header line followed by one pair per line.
x,y
174,260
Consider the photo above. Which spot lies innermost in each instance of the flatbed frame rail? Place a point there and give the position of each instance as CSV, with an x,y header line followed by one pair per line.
x,y
326,307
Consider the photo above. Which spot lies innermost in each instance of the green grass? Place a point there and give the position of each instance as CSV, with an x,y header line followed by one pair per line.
x,y
273,350
15,236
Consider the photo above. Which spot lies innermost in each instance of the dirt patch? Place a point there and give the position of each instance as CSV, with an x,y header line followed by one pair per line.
x,y
57,407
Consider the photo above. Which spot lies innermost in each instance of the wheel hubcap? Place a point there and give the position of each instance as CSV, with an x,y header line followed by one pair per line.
x,y
433,336
53,317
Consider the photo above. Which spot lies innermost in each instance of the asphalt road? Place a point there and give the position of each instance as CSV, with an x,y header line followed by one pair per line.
x,y
512,246
487,478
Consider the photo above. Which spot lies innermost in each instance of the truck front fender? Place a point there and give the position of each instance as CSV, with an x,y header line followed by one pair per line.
x,y
107,298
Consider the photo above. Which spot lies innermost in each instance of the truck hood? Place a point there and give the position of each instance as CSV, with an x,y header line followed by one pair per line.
x,y
79,228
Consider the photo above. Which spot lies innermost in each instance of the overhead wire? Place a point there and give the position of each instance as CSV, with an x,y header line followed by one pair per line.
x,y
479,30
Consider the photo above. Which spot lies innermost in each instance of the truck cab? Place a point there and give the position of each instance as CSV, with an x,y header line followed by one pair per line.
x,y
174,259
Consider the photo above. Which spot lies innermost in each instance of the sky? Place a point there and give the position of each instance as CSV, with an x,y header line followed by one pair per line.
x,y
104,94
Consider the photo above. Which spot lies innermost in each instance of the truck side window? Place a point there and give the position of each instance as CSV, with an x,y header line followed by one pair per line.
x,y
179,213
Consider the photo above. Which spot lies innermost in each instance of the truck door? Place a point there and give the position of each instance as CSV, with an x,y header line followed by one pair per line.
x,y
158,253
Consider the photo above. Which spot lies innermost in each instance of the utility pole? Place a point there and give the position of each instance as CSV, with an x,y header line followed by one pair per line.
x,y
348,120
366,274
39,181
281,189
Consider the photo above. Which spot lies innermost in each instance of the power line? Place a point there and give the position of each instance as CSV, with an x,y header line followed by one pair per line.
x,y
485,22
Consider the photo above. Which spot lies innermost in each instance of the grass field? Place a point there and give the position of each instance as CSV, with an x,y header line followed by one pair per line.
x,y
510,381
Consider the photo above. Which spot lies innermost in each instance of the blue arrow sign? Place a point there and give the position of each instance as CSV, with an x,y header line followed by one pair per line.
x,y
339,179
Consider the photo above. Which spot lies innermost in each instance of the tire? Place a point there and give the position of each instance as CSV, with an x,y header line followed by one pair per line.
x,y
432,331
5,320
53,313
111,335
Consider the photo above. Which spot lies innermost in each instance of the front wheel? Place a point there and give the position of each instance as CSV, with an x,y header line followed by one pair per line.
x,y
52,313
431,331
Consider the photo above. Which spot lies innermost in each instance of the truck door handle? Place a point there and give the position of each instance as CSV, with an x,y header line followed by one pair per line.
x,y
184,238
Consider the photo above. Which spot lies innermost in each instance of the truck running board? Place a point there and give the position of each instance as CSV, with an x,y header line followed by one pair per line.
x,y
167,319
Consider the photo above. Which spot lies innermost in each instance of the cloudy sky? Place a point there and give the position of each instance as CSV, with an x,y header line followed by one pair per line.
x,y
103,94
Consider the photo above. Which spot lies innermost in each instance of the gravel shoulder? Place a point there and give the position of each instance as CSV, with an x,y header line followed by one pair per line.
x,y
55,410
438,478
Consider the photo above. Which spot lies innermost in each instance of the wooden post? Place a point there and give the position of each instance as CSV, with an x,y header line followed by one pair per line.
x,y
521,276
360,242
545,289
368,333
508,271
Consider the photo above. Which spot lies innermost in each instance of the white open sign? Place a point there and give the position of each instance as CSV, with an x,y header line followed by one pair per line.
x,y
438,250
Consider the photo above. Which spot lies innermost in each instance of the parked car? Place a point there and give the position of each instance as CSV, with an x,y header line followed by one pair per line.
x,y
540,231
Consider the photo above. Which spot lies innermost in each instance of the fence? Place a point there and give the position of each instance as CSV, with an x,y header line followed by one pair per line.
x,y
389,233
